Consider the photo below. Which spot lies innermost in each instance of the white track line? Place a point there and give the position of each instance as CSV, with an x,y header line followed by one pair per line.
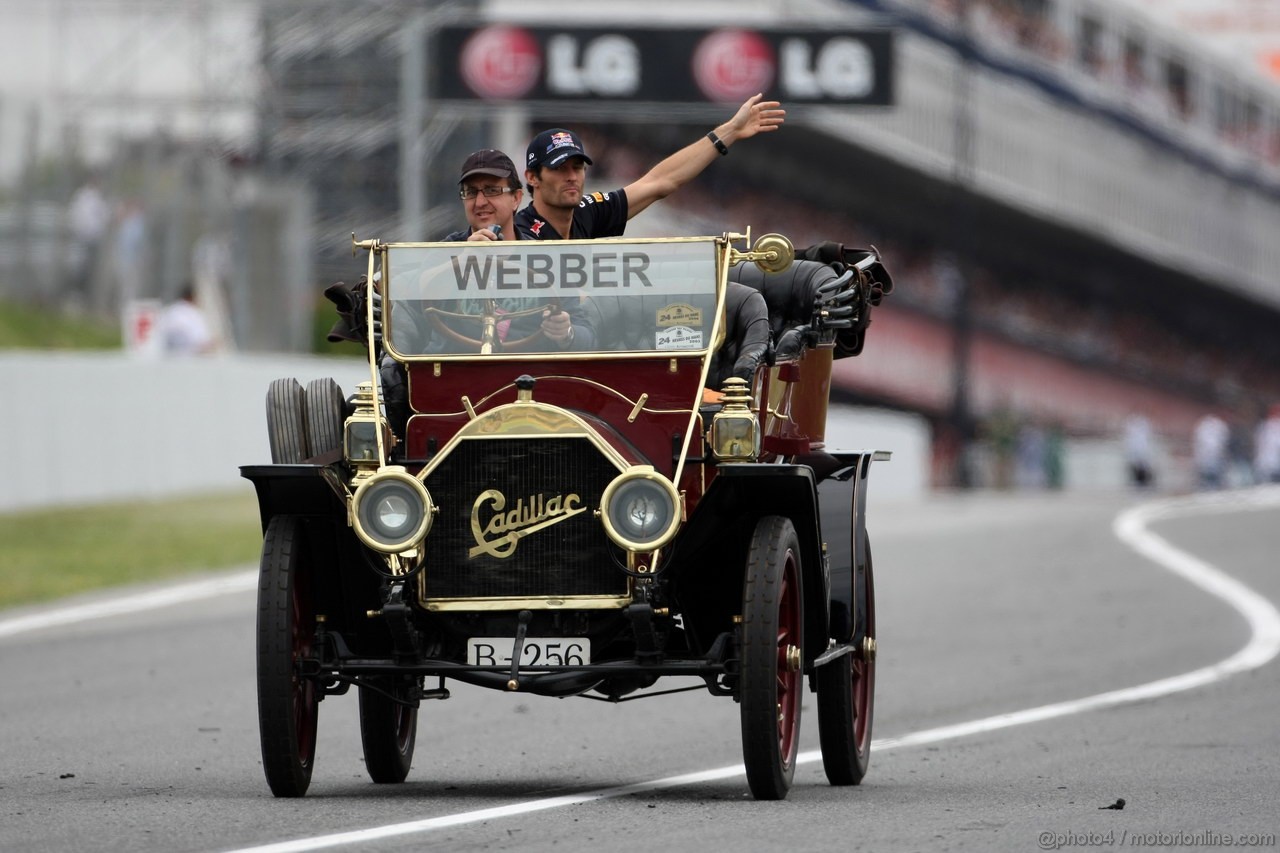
x,y
1130,526
154,600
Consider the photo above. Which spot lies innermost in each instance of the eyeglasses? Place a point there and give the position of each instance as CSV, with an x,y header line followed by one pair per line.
x,y
468,193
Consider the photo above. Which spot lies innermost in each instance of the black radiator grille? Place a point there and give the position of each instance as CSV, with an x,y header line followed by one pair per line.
x,y
549,489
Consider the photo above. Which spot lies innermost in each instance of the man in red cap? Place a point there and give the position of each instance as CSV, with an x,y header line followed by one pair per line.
x,y
556,169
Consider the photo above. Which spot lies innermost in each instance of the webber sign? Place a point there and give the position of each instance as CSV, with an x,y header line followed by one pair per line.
x,y
503,62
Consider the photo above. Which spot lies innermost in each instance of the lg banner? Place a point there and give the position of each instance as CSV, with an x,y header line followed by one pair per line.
x,y
504,62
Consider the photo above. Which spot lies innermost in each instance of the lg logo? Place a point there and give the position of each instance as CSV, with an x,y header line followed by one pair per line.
x,y
731,65
842,68
608,66
506,63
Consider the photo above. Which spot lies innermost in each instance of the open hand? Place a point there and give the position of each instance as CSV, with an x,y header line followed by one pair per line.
x,y
756,116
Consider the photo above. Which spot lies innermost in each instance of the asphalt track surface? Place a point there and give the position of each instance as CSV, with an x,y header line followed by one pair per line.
x,y
1041,656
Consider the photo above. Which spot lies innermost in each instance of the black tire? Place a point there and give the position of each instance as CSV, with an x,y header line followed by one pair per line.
x,y
286,422
772,625
325,413
288,704
388,730
846,699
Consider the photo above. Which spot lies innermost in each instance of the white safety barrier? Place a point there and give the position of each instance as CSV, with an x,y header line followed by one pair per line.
x,y
87,428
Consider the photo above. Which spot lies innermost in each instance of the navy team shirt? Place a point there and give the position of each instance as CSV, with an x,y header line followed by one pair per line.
x,y
598,215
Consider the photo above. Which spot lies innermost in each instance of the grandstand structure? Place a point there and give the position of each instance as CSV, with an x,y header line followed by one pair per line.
x,y
1111,188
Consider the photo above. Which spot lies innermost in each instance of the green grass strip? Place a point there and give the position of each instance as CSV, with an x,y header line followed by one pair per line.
x,y
51,553
32,327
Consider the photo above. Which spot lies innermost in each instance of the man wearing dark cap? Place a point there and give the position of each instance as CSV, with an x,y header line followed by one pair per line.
x,y
556,169
490,192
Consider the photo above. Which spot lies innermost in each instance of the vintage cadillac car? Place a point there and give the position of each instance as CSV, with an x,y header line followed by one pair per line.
x,y
653,499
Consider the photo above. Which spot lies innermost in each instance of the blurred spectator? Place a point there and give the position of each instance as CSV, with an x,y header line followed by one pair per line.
x,y
1002,435
1266,448
1089,51
1178,85
182,327
1030,455
1209,450
1239,468
89,216
949,281
131,252
948,449
211,258
1054,457
1139,451
211,269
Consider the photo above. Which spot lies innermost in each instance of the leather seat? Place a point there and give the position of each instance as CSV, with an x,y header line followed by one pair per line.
x,y
746,339
791,296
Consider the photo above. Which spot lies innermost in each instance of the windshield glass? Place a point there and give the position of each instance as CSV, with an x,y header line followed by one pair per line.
x,y
507,297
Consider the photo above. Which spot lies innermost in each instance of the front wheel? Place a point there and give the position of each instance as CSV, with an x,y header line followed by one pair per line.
x,y
846,698
388,729
288,702
771,685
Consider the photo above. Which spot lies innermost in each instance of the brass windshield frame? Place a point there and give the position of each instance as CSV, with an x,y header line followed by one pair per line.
x,y
711,344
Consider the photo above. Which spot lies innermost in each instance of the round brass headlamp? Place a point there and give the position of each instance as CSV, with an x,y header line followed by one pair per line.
x,y
640,509
392,511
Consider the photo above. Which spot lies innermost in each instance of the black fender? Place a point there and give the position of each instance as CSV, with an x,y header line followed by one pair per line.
x,y
709,555
844,517
301,489
346,589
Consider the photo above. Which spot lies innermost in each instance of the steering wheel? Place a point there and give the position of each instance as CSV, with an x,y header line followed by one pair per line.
x,y
488,320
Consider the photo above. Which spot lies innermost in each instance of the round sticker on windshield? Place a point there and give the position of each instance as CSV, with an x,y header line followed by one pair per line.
x,y
678,338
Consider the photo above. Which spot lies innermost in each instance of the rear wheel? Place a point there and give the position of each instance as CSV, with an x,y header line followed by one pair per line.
x,y
288,702
324,415
772,626
286,422
388,729
846,698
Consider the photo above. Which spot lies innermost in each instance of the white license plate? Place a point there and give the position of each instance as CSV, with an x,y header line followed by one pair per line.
x,y
537,651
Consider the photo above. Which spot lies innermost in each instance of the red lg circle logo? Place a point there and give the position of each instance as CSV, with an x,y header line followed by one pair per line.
x,y
732,65
501,62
